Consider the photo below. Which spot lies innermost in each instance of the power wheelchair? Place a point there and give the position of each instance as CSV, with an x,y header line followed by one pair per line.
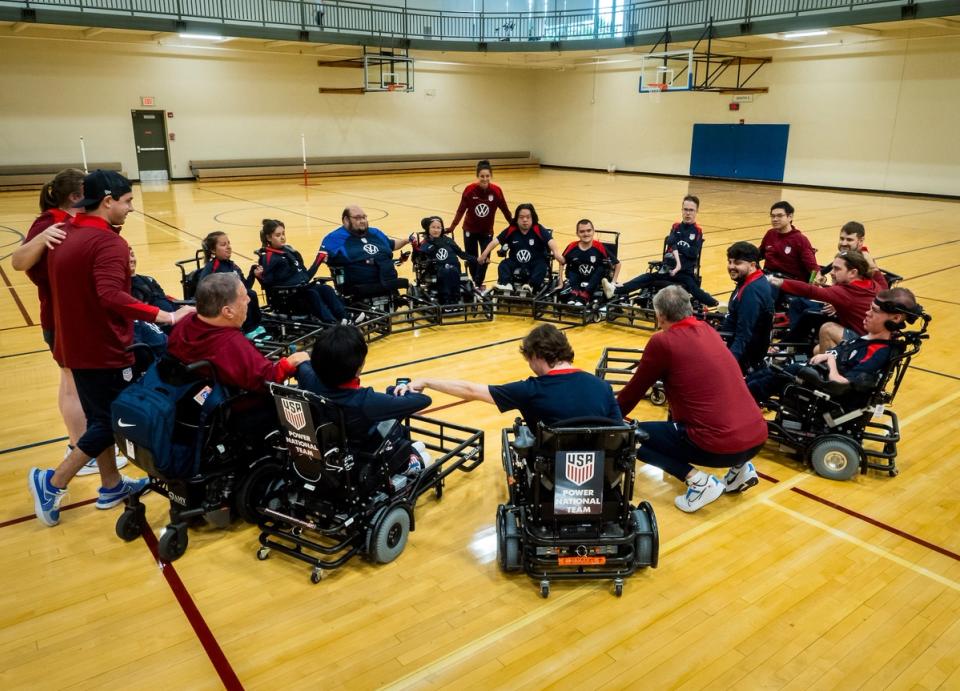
x,y
329,500
201,457
562,306
637,310
840,429
569,513
469,305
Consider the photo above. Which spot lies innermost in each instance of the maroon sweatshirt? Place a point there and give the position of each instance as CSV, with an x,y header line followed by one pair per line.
x,y
851,300
93,310
790,254
481,207
38,272
703,384
237,361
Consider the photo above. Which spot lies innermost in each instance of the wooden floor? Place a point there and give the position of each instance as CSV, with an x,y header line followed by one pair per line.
x,y
800,583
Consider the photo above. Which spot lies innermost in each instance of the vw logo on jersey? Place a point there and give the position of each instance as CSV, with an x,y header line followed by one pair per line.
x,y
481,210
683,243
371,249
523,256
442,253
586,269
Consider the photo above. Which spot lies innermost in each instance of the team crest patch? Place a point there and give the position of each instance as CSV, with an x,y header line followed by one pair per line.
x,y
593,259
786,250
531,241
489,197
580,467
692,236
293,412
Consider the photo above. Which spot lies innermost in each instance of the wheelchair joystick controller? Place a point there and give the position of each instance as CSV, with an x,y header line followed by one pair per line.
x,y
524,438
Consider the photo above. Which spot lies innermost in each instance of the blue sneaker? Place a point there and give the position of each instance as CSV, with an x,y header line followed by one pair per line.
x,y
111,497
257,334
46,504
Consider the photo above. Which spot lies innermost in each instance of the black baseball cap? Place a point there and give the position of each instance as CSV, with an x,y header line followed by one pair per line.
x,y
102,183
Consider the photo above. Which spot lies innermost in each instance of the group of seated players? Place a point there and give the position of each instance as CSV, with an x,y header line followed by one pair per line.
x,y
713,383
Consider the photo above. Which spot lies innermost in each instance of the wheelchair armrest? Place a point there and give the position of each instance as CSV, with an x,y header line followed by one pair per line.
x,y
641,436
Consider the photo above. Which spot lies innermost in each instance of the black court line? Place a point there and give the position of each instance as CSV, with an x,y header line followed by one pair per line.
x,y
455,352
33,444
28,352
181,230
269,206
14,328
930,273
939,374
16,298
928,298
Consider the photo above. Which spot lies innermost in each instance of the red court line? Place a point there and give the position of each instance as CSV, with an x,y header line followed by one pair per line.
x,y
442,407
867,519
16,298
24,519
219,661
879,524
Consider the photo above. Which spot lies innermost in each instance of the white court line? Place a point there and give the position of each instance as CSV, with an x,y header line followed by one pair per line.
x,y
419,676
886,554
929,409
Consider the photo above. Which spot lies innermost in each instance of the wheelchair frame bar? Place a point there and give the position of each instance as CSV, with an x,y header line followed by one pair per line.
x,y
564,313
618,356
632,316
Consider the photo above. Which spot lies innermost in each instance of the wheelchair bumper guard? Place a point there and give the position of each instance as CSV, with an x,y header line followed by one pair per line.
x,y
302,533
632,316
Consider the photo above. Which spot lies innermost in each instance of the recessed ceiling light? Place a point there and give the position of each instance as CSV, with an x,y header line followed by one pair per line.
x,y
804,34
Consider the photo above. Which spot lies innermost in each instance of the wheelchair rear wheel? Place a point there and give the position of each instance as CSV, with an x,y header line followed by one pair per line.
x,y
255,489
835,458
643,541
390,536
508,540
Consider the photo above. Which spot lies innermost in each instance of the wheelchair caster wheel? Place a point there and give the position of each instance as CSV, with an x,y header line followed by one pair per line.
x,y
130,524
317,575
544,589
618,587
173,542
438,489
263,553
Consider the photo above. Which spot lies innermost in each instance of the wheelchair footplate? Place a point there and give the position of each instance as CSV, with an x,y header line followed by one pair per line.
x,y
630,315
549,309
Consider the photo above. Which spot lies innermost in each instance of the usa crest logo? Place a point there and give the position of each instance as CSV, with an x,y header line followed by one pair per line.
x,y
580,466
293,412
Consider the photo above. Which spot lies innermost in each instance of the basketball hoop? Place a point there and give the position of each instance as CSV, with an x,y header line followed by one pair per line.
x,y
657,86
397,87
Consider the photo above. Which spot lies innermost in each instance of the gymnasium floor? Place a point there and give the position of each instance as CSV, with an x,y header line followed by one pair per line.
x,y
799,583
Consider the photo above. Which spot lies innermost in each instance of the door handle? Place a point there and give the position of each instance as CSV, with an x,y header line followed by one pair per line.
x,y
150,148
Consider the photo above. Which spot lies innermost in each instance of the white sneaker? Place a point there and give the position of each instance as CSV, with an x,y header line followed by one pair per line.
x,y
526,287
609,290
740,478
503,288
701,490
91,468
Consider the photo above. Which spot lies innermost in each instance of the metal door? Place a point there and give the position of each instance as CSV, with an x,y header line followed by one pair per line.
x,y
150,137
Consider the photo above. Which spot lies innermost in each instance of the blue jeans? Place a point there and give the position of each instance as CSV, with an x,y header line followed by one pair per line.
x,y
669,448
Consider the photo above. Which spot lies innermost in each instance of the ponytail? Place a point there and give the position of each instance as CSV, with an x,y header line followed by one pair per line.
x,y
210,245
57,192
269,225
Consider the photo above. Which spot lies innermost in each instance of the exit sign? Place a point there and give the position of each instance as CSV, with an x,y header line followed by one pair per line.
x,y
146,100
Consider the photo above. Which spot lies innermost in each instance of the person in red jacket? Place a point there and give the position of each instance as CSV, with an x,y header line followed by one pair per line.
x,y
714,419
214,334
93,315
785,250
480,201
56,205
849,298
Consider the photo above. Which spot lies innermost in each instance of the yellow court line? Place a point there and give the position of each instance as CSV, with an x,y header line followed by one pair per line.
x,y
419,676
880,551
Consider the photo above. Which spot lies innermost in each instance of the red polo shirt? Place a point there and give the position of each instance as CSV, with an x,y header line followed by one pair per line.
x,y
93,310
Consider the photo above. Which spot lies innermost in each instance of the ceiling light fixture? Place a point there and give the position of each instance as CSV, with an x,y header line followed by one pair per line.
x,y
202,37
804,34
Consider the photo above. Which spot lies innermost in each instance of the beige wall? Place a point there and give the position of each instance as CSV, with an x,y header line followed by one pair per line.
x,y
234,104
878,115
